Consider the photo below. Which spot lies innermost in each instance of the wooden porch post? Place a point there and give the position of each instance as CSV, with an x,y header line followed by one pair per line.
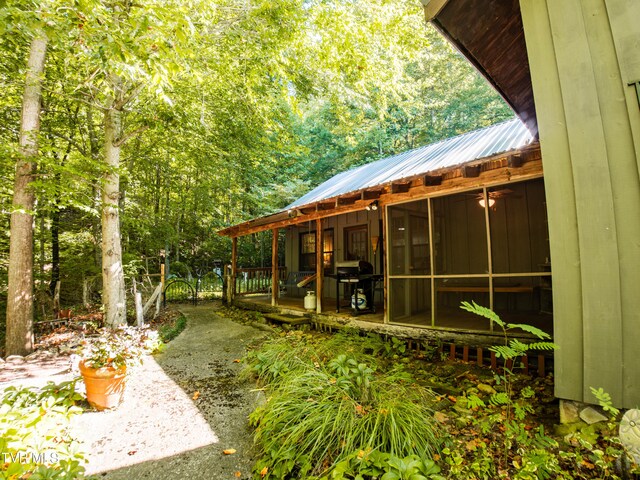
x,y
319,265
275,284
234,267
383,253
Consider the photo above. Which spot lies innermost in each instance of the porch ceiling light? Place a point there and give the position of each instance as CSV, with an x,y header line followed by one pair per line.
x,y
372,206
492,202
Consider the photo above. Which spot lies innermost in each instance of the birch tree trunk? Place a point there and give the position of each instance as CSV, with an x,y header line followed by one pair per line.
x,y
113,292
19,338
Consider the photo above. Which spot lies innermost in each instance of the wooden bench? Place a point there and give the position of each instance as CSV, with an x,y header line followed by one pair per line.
x,y
484,289
510,289
295,282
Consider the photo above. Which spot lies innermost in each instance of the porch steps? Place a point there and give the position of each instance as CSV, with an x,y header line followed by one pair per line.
x,y
286,318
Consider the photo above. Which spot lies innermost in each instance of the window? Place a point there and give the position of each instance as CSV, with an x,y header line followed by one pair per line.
x,y
308,251
356,241
327,251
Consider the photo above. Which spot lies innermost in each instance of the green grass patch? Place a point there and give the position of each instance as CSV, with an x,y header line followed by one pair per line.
x,y
170,331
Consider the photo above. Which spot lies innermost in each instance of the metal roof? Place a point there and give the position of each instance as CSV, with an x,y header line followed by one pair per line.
x,y
486,142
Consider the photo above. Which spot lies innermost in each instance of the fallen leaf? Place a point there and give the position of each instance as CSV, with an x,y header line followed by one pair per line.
x,y
264,471
132,452
229,451
452,398
237,361
196,395
440,417
589,465
237,474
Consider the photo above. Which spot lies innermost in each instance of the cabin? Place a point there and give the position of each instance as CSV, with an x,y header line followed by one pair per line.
x,y
559,250
403,240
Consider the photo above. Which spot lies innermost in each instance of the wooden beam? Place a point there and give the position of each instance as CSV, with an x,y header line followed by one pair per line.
x,y
432,180
319,264
325,206
470,171
515,161
400,187
275,284
346,200
371,194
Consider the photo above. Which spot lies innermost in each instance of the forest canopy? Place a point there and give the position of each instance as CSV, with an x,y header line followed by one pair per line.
x,y
228,110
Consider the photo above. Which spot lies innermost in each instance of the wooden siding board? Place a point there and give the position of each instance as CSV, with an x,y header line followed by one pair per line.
x,y
563,235
600,275
623,167
623,19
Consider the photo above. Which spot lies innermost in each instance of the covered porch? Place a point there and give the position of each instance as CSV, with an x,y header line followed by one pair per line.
x,y
432,228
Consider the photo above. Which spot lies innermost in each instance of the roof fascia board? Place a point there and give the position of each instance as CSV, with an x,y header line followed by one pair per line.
x,y
432,8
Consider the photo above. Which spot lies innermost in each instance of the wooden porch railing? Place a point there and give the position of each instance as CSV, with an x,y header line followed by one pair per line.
x,y
256,280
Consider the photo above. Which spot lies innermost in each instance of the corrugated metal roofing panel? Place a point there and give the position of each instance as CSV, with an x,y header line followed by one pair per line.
x,y
464,148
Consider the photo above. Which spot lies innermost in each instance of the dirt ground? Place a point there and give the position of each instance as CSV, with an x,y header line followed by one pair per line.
x,y
182,408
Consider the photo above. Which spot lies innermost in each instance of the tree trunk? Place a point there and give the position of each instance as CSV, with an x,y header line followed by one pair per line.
x,y
19,339
113,293
55,240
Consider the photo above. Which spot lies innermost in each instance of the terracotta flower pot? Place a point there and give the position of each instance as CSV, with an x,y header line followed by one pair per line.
x,y
104,385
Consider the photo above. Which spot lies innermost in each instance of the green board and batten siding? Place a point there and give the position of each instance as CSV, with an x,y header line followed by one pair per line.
x,y
582,55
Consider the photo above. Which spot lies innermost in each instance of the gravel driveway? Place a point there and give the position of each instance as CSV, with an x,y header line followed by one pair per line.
x,y
182,408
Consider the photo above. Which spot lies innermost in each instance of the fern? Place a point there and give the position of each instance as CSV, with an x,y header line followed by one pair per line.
x,y
485,312
542,346
499,399
511,351
529,329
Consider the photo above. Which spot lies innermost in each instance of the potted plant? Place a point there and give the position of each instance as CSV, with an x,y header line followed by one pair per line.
x,y
104,362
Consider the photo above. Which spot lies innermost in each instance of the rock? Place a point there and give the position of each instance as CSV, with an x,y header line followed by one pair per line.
x,y
39,355
486,389
66,350
1,361
15,359
590,416
259,400
569,412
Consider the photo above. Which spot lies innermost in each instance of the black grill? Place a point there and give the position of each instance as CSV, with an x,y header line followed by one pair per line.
x,y
359,275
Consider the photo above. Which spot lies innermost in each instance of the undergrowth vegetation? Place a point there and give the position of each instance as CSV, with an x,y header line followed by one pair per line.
x,y
326,410
350,406
34,440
